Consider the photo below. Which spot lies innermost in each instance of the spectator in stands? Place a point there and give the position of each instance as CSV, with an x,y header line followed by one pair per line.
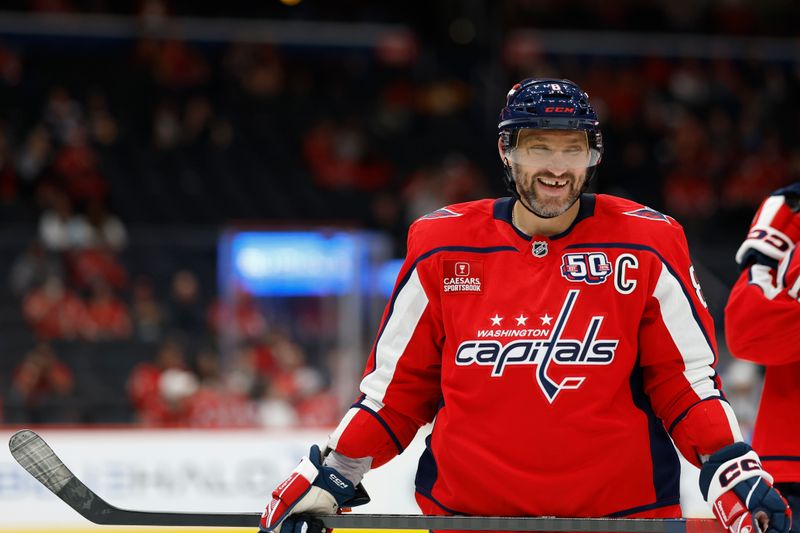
x,y
341,157
273,410
250,367
173,64
97,258
757,175
102,126
60,229
258,69
41,389
689,186
152,405
86,265
32,267
35,156
450,180
197,119
148,315
54,311
62,114
300,384
77,168
176,388
107,317
294,377
186,314
107,229
213,405
240,319
166,126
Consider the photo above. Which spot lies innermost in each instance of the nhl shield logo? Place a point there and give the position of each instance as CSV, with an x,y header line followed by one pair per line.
x,y
539,248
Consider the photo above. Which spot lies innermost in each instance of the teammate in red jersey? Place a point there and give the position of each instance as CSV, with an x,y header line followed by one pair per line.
x,y
557,340
762,325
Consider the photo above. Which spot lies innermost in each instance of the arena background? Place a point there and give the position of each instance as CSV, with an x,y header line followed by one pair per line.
x,y
203,205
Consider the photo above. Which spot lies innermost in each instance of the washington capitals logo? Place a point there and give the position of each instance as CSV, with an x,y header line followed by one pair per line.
x,y
440,213
650,214
590,350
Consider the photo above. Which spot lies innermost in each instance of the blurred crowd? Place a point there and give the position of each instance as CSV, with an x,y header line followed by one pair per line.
x,y
177,376
153,132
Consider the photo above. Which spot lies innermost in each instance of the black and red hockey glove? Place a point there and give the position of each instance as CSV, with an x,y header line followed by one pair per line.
x,y
741,494
775,229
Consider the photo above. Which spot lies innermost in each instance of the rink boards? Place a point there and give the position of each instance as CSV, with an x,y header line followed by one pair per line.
x,y
196,471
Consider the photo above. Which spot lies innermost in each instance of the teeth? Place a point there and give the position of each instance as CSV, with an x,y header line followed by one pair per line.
x,y
552,183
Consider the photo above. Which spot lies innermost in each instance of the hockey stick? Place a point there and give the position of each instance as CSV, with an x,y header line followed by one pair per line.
x,y
35,456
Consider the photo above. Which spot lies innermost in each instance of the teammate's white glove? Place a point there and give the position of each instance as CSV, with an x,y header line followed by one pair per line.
x,y
310,489
741,494
775,229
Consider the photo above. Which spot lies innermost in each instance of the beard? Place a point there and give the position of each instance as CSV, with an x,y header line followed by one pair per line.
x,y
547,206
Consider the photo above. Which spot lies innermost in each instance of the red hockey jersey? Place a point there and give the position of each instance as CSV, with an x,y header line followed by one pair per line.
x,y
556,368
762,325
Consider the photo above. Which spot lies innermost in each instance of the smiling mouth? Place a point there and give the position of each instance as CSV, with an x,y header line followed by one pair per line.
x,y
555,183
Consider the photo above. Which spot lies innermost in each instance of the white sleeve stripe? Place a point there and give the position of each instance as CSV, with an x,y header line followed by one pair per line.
x,y
761,277
687,334
333,440
768,211
372,404
732,422
409,305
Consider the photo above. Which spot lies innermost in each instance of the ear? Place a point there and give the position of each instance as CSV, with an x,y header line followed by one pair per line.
x,y
500,150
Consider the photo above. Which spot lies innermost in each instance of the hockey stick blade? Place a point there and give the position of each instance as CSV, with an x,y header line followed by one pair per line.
x,y
35,456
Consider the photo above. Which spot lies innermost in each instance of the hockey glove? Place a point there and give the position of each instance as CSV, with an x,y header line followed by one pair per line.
x,y
741,494
775,229
310,489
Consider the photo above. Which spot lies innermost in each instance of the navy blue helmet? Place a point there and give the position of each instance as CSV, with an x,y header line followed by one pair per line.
x,y
550,104
544,103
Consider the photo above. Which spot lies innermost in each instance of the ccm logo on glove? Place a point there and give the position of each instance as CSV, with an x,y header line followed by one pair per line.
x,y
735,470
338,482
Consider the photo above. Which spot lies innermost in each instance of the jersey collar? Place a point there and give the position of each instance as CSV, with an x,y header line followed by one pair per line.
x,y
503,207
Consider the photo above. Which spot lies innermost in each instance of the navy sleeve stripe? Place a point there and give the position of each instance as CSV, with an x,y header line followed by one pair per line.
x,y
382,423
686,411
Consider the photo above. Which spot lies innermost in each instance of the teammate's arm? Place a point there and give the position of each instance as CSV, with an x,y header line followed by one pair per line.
x,y
761,318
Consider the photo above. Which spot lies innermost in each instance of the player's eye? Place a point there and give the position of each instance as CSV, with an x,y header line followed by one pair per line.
x,y
539,150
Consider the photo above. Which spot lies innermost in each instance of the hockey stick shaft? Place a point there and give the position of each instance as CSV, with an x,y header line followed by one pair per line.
x,y
39,460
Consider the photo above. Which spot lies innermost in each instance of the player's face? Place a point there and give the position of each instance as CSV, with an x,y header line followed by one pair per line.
x,y
549,168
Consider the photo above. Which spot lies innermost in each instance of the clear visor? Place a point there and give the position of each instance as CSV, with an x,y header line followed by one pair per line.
x,y
542,148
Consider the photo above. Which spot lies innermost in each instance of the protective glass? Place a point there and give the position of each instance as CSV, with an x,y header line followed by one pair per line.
x,y
535,148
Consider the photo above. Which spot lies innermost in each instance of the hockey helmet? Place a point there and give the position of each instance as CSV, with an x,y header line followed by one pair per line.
x,y
545,103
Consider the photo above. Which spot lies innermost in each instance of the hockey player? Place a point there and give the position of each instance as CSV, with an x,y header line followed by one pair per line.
x,y
557,339
762,325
